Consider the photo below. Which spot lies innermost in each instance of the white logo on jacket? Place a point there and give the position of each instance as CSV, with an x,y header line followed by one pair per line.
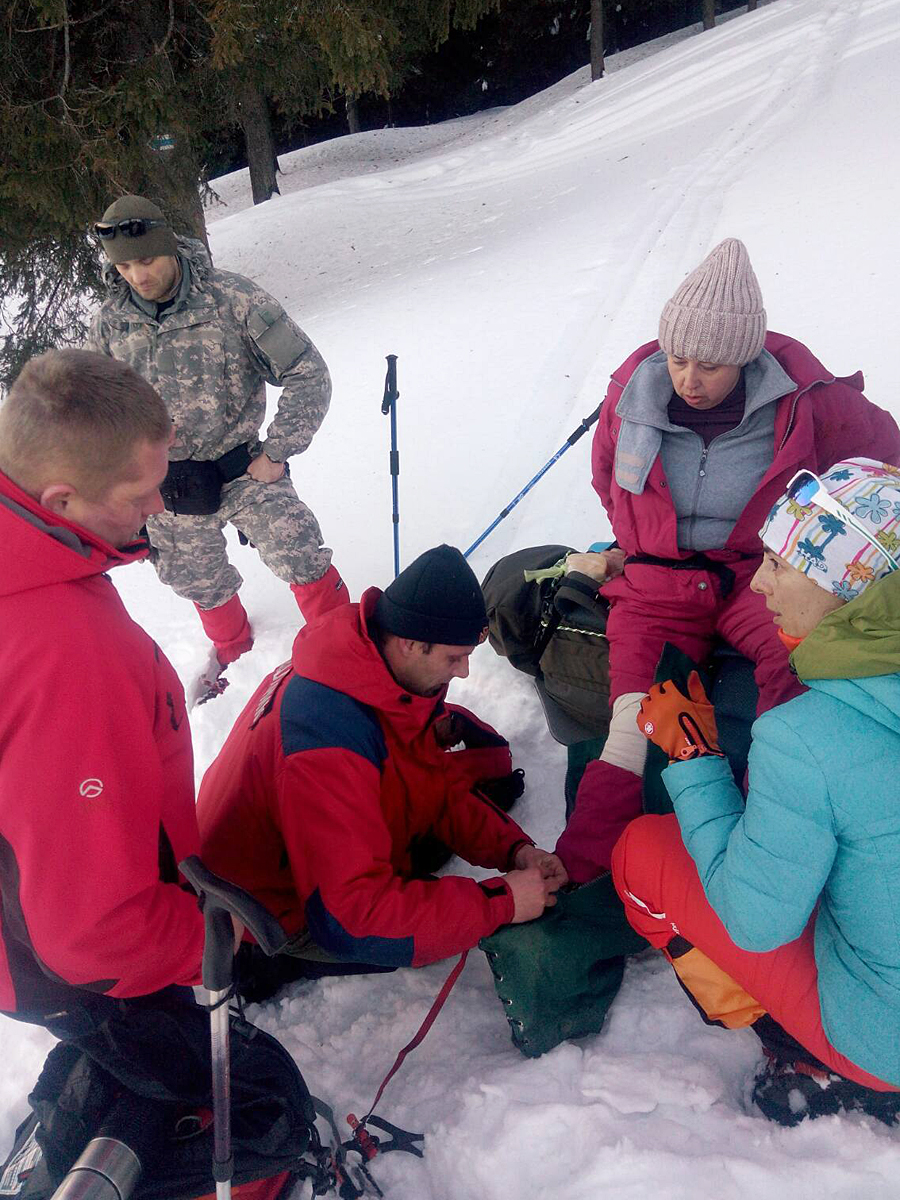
x,y
90,788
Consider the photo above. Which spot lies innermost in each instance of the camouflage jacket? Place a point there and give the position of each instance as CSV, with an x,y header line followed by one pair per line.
x,y
210,355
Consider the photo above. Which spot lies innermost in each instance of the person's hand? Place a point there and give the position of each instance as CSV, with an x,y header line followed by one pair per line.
x,y
264,470
550,865
531,893
683,726
602,566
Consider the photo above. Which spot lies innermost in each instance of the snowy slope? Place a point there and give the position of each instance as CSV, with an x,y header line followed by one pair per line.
x,y
512,260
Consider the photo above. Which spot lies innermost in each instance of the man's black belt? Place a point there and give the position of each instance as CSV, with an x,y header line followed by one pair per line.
x,y
193,487
696,562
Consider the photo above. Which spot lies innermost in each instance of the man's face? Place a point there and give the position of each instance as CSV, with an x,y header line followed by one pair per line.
x,y
428,668
122,509
796,602
702,385
151,278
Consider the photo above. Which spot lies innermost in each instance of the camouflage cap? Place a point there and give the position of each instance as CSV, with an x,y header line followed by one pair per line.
x,y
155,243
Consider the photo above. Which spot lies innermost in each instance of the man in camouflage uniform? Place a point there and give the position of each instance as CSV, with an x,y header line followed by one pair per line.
x,y
209,341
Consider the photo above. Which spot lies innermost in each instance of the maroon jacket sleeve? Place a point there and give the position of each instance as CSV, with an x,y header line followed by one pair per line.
x,y
847,425
84,841
340,849
603,449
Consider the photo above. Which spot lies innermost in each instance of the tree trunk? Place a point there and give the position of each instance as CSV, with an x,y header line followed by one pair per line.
x,y
172,180
709,14
596,39
751,5
352,113
259,141
169,172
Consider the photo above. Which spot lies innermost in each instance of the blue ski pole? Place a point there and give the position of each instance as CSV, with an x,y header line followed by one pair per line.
x,y
389,405
573,437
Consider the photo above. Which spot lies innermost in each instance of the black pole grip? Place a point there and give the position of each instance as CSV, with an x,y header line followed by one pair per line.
x,y
585,425
219,900
390,385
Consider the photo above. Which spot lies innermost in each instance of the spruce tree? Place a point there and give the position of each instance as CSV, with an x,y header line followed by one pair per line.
x,y
97,98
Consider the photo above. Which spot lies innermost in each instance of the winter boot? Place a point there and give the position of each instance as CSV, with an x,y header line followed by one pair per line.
x,y
320,596
228,628
787,1092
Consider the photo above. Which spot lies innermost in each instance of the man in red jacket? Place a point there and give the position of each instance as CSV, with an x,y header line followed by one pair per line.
x,y
343,761
699,434
96,779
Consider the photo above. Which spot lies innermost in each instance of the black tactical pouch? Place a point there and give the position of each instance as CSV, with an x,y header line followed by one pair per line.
x,y
193,488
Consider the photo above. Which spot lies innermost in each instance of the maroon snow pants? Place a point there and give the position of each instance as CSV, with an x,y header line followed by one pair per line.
x,y
649,606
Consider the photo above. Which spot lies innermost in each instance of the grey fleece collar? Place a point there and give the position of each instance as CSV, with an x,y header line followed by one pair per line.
x,y
644,403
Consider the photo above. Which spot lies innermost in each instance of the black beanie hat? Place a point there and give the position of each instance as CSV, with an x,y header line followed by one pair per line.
x,y
437,598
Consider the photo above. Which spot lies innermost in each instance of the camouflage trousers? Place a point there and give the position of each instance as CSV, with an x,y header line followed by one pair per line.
x,y
189,552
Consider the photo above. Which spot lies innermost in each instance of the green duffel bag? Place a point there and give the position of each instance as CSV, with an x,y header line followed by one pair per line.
x,y
552,627
558,975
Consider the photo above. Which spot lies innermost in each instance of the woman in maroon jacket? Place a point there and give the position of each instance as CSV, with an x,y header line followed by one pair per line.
x,y
697,438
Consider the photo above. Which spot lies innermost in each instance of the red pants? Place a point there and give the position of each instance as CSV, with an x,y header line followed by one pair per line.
x,y
661,890
650,606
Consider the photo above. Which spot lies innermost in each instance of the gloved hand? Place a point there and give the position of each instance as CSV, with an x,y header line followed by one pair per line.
x,y
683,726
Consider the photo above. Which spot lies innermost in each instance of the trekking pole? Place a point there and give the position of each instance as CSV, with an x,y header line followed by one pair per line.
x,y
573,437
218,901
389,405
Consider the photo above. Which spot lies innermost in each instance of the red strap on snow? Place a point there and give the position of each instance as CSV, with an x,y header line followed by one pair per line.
x,y
420,1033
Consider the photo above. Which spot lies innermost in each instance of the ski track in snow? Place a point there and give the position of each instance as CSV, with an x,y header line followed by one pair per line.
x,y
512,260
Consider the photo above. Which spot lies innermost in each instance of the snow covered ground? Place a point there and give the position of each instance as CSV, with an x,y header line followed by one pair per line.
x,y
512,260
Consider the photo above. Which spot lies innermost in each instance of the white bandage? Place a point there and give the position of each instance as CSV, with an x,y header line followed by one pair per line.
x,y
626,746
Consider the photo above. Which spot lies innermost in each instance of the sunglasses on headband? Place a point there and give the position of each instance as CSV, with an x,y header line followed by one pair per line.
x,y
806,488
133,227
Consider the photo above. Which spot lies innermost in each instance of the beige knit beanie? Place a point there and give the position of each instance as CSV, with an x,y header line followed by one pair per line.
x,y
717,314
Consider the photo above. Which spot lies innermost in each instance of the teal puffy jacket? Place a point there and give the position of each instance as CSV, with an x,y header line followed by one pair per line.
x,y
822,824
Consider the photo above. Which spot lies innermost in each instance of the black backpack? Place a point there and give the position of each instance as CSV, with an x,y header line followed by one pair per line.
x,y
273,1119
553,630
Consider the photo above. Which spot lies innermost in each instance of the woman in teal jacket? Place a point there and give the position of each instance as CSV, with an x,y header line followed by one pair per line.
x,y
785,915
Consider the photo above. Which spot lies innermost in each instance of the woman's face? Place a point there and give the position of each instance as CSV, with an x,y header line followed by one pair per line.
x,y
796,602
702,385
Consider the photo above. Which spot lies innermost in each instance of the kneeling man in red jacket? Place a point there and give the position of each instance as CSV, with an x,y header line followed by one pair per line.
x,y
339,766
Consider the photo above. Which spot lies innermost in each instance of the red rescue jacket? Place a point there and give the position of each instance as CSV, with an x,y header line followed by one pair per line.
x,y
96,778
329,776
824,420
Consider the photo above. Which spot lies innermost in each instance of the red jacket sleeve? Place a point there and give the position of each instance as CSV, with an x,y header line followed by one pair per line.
x,y
478,830
87,789
340,849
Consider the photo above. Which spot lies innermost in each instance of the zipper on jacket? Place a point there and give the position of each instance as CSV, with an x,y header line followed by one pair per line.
x,y
796,401
701,474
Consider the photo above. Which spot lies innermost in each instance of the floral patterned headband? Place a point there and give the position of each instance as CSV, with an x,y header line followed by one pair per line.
x,y
843,529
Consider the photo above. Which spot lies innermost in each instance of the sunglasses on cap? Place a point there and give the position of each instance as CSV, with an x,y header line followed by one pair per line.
x,y
133,227
806,488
